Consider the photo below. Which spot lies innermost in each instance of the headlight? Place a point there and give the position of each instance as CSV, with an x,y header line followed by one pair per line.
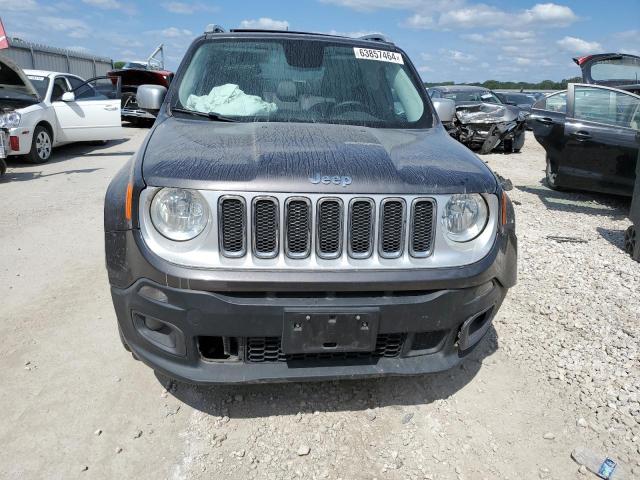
x,y
10,120
465,217
179,214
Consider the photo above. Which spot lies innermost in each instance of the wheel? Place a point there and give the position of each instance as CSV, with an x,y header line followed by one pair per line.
x,y
41,146
518,142
551,175
630,240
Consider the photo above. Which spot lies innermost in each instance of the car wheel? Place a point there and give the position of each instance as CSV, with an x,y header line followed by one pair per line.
x,y
551,174
518,142
630,240
41,146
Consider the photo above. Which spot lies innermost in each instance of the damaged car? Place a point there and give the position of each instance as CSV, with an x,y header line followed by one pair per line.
x,y
298,212
40,110
482,121
591,131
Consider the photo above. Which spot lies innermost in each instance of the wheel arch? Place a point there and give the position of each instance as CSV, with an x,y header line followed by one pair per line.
x,y
48,127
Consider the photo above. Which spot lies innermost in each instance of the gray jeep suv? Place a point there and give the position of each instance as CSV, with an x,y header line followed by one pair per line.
x,y
298,212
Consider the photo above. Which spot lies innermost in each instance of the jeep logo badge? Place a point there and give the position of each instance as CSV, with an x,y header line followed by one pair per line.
x,y
344,180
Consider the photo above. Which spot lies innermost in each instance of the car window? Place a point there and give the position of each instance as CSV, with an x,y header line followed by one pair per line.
x,y
281,80
60,86
102,88
75,82
605,106
469,96
556,102
40,84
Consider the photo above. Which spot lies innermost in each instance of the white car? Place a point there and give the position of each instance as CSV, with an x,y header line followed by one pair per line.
x,y
40,110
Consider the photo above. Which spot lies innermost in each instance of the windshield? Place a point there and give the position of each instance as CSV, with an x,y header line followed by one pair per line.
x,y
40,84
281,80
626,69
138,65
520,99
471,96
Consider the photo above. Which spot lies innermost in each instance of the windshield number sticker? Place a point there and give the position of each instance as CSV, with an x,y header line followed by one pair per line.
x,y
379,55
34,77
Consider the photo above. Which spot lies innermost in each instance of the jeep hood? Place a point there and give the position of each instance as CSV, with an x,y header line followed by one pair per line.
x,y
285,157
14,84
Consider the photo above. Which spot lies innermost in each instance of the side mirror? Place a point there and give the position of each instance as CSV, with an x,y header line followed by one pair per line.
x,y
150,97
445,108
68,97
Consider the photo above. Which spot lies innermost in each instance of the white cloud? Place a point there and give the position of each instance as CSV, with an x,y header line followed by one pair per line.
x,y
19,5
420,21
578,45
628,35
458,57
265,23
548,14
367,5
174,32
183,8
70,26
111,5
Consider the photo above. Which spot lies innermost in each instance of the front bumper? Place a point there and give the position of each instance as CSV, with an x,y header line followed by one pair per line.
x,y
439,315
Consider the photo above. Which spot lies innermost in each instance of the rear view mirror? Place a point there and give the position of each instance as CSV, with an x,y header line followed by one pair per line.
x,y
445,108
150,97
68,97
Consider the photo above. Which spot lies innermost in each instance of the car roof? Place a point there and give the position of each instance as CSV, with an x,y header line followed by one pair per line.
x,y
459,88
296,35
44,73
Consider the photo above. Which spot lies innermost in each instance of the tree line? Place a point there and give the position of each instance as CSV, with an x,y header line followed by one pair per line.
x,y
499,85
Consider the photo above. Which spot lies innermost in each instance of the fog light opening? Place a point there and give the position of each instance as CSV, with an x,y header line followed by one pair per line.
x,y
474,329
218,348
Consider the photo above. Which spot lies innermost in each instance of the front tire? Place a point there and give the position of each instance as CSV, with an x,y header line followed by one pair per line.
x,y
551,175
518,142
41,146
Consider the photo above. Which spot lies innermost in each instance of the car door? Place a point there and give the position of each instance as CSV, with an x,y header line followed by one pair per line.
x,y
94,111
601,138
547,120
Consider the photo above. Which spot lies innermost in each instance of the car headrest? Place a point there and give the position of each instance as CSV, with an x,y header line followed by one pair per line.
x,y
287,91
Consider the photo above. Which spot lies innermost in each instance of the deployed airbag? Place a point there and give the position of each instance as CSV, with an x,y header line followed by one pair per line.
x,y
229,99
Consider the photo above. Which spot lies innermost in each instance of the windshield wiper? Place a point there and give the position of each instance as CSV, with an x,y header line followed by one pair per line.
x,y
211,115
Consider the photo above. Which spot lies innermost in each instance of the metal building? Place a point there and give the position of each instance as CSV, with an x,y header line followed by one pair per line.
x,y
34,56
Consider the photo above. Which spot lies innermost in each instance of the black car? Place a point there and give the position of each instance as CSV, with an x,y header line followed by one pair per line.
x,y
298,211
591,132
483,122
521,100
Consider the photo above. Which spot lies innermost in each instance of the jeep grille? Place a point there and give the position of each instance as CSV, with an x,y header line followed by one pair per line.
x,y
328,227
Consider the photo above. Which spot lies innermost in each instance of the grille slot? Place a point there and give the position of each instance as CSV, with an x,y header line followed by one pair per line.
x,y
268,349
392,223
329,228
232,214
422,225
266,230
361,220
298,227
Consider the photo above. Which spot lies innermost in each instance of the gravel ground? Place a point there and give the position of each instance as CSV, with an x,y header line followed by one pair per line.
x,y
559,370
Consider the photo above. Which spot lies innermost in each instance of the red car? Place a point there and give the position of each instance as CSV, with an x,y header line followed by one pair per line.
x,y
133,75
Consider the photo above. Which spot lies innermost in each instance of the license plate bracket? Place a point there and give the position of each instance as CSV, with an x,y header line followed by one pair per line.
x,y
329,331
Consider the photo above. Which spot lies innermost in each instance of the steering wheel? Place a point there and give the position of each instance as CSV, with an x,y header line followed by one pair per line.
x,y
350,106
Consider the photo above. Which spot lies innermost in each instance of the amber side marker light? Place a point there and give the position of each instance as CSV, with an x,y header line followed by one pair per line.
x,y
128,202
503,208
